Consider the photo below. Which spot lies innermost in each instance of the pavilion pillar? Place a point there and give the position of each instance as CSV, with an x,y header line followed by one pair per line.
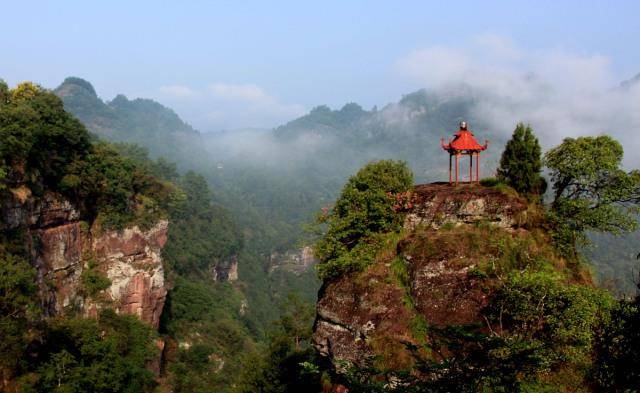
x,y
457,168
478,167
450,159
470,167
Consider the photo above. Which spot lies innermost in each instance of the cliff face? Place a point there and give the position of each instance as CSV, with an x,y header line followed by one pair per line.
x,y
225,269
62,248
436,204
429,277
296,261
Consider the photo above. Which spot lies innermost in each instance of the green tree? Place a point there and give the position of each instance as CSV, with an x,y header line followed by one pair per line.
x,y
520,163
281,367
18,311
617,366
107,354
366,207
591,191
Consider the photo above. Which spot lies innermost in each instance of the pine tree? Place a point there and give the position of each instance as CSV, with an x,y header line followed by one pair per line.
x,y
520,163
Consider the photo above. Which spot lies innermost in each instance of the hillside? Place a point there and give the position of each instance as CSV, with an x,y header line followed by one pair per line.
x,y
275,181
140,121
110,262
470,295
81,232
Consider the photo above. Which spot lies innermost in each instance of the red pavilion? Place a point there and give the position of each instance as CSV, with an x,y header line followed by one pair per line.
x,y
464,143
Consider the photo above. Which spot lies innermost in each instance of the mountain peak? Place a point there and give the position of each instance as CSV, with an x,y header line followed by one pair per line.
x,y
72,83
631,82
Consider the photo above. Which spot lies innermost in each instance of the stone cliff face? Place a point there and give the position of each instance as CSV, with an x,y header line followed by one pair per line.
x,y
62,247
225,269
132,262
294,261
363,314
436,204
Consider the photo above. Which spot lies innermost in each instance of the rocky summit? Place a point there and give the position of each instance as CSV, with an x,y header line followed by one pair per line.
x,y
440,272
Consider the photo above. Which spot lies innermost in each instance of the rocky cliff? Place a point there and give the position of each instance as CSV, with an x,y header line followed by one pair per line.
x,y
296,261
66,251
436,274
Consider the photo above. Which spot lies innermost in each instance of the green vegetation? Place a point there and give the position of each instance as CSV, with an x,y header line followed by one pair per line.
x,y
520,163
543,329
369,205
46,148
618,349
107,354
542,343
67,354
287,363
18,309
591,191
94,281
202,232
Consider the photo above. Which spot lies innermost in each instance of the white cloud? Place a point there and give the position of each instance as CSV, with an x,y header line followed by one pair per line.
x,y
226,106
245,92
559,92
177,91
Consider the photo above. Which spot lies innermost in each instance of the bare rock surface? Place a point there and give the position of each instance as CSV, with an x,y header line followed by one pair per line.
x,y
62,247
439,203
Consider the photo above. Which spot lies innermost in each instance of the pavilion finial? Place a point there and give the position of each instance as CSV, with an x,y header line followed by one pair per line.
x,y
463,125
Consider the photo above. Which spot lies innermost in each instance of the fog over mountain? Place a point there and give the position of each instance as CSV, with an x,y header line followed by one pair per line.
x,y
252,197
558,91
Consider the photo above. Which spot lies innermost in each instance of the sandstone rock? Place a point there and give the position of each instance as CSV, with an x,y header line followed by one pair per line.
x,y
294,261
439,203
226,269
351,311
61,248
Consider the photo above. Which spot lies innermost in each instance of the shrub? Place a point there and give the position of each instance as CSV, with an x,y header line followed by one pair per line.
x,y
94,281
367,206
491,182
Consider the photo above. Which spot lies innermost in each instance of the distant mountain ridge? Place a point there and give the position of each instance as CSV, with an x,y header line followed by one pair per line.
x,y
142,121
631,82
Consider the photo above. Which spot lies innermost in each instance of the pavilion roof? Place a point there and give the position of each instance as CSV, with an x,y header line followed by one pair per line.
x,y
464,140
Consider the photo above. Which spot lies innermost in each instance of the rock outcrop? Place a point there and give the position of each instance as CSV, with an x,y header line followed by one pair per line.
x,y
62,247
437,204
295,261
374,312
225,270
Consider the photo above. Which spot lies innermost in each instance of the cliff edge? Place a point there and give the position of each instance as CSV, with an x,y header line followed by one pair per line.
x,y
442,270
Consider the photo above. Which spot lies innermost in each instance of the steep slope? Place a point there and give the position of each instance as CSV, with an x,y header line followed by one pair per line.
x,y
471,294
68,252
82,280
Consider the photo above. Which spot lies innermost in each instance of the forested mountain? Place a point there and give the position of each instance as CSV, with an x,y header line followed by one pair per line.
x,y
275,181
140,120
122,271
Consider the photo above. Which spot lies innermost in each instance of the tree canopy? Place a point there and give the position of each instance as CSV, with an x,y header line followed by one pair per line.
x,y
521,162
366,207
591,190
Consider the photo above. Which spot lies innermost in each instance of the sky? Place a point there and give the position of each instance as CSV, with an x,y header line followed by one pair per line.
x,y
239,64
